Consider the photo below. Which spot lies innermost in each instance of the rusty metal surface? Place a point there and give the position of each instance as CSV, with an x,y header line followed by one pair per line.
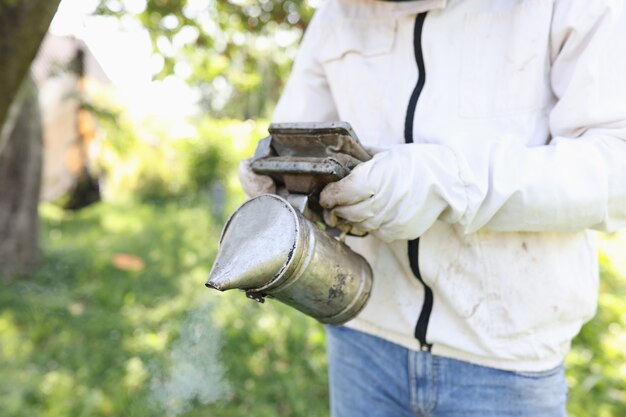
x,y
317,139
303,175
303,158
307,156
269,249
271,245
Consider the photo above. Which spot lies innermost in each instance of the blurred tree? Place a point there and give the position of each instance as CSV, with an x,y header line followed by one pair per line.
x,y
237,52
23,25
20,181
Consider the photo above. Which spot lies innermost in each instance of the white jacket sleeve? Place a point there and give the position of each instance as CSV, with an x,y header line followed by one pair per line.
x,y
578,181
307,96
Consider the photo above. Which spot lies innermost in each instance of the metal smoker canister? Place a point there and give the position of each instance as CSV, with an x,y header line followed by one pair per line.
x,y
268,248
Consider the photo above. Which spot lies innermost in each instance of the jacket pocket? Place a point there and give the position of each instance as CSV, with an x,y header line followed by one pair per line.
x,y
505,61
540,286
355,58
365,38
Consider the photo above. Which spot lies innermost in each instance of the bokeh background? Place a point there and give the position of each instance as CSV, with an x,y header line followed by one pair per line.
x,y
116,178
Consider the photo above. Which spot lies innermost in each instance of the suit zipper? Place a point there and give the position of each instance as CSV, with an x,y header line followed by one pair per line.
x,y
413,250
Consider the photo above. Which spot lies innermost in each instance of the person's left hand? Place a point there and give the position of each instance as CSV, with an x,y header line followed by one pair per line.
x,y
252,183
400,192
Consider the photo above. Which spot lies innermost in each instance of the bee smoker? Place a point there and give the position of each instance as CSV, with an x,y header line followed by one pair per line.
x,y
277,246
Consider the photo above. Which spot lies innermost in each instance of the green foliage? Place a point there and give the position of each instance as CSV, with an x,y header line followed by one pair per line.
x,y
214,153
237,52
92,333
206,163
139,160
597,362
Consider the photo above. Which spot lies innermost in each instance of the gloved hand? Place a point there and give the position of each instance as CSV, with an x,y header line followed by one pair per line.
x,y
254,184
400,192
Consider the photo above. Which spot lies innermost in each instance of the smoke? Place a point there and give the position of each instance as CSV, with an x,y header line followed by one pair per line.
x,y
194,372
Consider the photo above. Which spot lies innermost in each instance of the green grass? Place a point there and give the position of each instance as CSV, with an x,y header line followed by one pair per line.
x,y
84,337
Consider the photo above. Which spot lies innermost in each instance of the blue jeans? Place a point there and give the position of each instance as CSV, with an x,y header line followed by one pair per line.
x,y
370,376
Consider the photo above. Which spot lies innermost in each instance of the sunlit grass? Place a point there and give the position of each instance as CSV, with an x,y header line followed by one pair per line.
x,y
91,333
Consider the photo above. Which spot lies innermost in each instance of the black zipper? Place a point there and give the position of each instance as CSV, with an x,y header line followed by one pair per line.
x,y
413,251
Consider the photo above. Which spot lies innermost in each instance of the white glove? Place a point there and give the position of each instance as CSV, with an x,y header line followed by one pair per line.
x,y
400,192
254,184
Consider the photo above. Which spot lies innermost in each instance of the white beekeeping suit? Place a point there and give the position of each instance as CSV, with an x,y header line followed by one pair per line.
x,y
504,125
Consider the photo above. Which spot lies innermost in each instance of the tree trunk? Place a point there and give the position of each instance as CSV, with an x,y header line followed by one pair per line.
x,y
23,24
20,182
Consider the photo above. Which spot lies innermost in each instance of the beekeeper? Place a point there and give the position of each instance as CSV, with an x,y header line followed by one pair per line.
x,y
501,127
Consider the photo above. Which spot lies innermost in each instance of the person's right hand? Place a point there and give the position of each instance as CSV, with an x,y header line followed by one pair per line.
x,y
254,184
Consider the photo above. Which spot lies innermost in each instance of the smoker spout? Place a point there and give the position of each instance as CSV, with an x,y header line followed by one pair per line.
x,y
221,281
257,244
243,272
210,285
